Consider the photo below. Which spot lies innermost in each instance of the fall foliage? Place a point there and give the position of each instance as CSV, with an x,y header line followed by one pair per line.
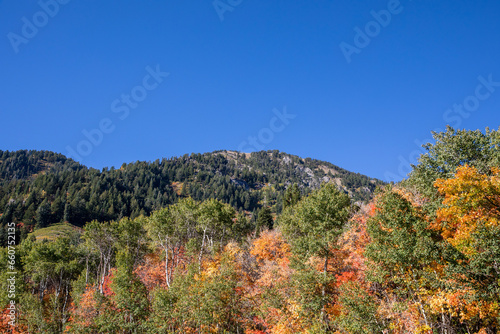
x,y
414,260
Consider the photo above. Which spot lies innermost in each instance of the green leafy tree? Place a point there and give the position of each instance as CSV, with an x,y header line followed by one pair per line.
x,y
214,226
51,267
316,222
403,251
129,295
100,240
401,240
171,228
358,311
313,227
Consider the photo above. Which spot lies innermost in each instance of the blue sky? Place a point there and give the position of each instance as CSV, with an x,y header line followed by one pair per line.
x,y
358,84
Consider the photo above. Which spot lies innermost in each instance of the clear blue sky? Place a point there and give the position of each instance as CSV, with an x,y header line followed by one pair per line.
x,y
83,65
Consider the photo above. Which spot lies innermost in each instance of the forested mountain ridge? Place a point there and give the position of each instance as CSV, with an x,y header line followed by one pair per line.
x,y
39,188
24,164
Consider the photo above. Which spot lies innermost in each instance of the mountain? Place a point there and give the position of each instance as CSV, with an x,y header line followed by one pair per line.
x,y
40,188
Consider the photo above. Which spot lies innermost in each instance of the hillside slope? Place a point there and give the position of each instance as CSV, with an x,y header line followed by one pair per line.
x,y
43,188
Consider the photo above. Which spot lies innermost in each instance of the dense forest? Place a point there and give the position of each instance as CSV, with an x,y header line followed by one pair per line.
x,y
421,256
41,188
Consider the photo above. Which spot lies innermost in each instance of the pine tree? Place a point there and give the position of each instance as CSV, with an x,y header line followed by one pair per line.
x,y
264,219
67,213
291,196
43,215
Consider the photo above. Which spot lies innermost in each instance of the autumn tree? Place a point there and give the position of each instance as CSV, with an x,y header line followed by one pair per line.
x,y
452,149
270,291
470,222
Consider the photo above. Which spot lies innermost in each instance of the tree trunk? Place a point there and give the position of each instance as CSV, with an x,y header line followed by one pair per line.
x,y
323,291
201,250
167,278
